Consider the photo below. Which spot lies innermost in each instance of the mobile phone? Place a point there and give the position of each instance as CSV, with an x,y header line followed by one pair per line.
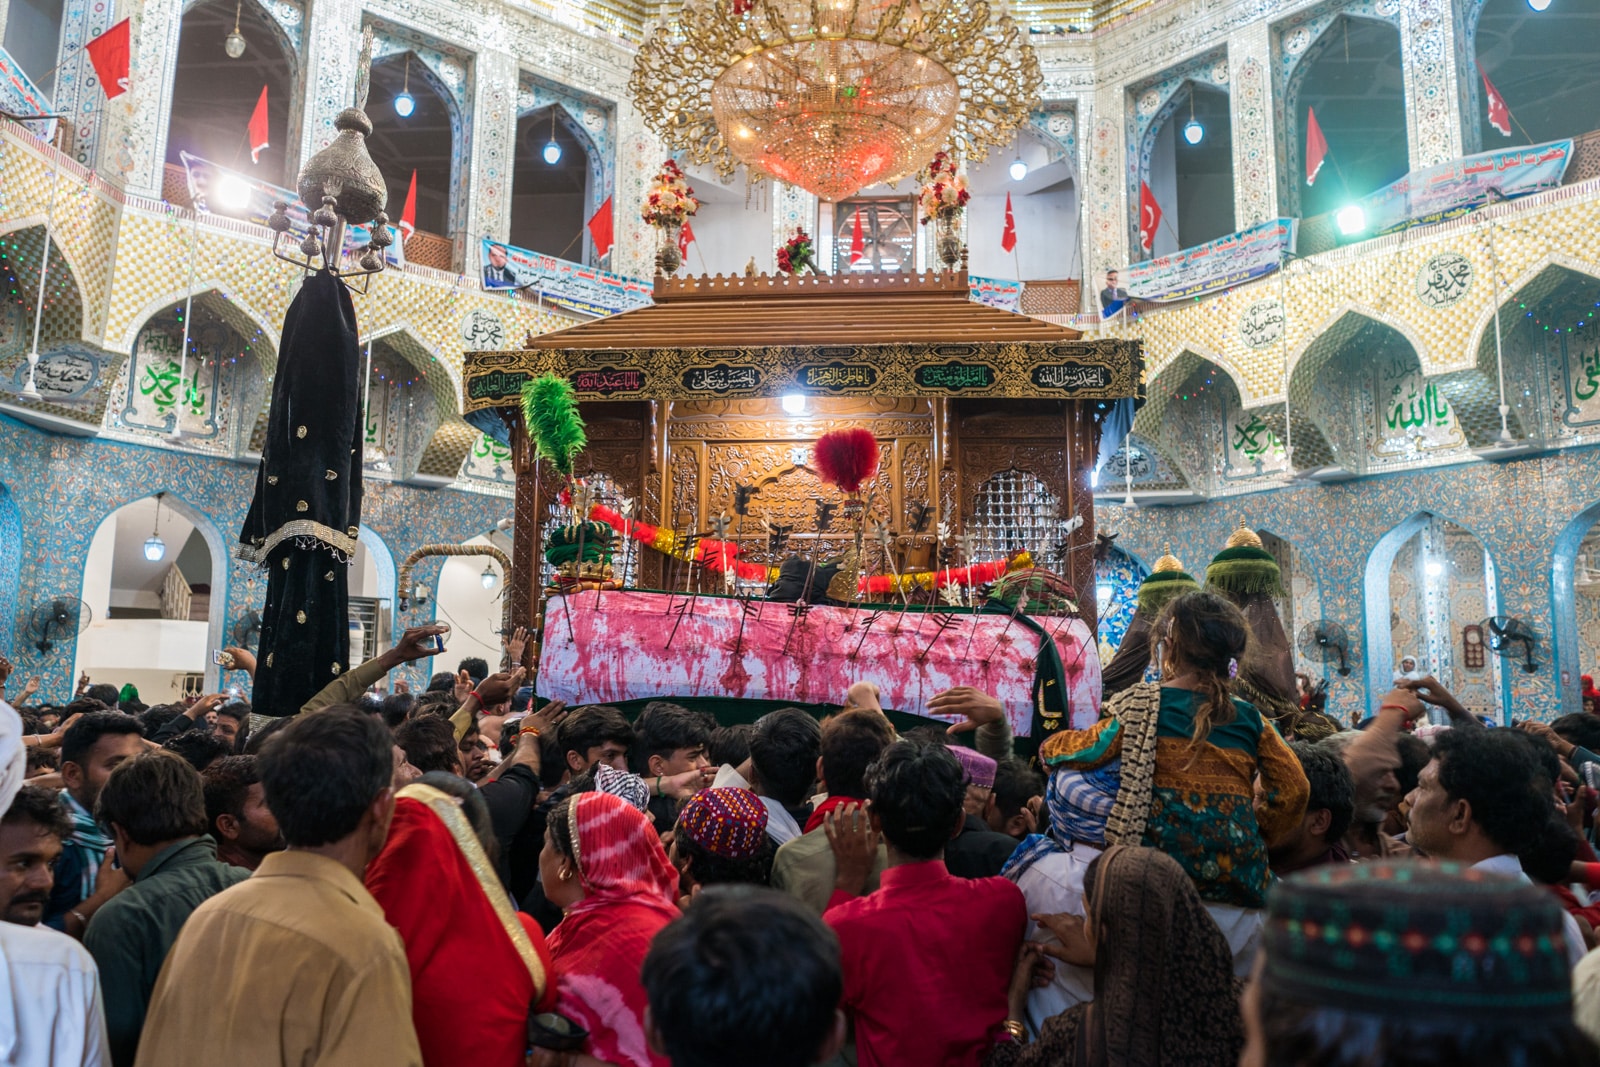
x,y
234,692
221,658
433,643
555,1031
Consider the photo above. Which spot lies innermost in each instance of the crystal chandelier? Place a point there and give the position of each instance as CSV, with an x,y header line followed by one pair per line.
x,y
835,95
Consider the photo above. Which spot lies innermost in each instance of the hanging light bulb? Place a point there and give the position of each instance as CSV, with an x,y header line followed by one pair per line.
x,y
155,548
405,103
488,577
1538,5
233,44
1019,169
552,151
1193,132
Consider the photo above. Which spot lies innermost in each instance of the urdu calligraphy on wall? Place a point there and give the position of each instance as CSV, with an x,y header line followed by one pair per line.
x,y
1412,414
1253,445
1583,385
482,331
1261,325
68,372
1444,279
166,391
489,461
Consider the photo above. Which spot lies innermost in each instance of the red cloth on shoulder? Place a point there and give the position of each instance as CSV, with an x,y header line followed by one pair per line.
x,y
470,989
821,812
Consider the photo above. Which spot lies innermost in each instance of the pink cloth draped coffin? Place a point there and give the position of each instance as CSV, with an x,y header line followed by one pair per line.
x,y
615,648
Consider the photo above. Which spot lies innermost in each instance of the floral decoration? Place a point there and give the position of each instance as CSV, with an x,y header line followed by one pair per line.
x,y
671,200
944,192
794,257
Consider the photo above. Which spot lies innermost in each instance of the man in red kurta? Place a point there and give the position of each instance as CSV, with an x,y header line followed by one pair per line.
x,y
928,958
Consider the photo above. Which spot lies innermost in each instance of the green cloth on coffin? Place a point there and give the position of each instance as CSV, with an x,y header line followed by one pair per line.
x,y
564,542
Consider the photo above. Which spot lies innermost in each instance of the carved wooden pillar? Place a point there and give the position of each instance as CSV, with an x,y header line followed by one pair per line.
x,y
523,585
1083,442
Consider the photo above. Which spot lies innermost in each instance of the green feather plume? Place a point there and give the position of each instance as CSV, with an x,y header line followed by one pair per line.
x,y
550,411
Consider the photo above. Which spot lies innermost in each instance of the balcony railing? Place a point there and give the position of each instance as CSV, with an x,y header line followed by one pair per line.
x,y
423,248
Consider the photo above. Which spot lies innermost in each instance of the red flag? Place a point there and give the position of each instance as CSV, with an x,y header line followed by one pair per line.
x,y
258,127
1008,239
1316,146
109,54
1499,114
408,214
858,247
685,238
1149,217
600,229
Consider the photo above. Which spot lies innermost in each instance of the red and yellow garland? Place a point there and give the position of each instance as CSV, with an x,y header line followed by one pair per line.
x,y
720,555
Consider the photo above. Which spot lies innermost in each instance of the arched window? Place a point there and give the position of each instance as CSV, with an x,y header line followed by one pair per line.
x,y
1191,168
551,188
1542,64
1351,76
214,95
425,141
33,39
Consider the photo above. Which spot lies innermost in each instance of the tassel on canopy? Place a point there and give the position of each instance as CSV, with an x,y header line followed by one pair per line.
x,y
550,411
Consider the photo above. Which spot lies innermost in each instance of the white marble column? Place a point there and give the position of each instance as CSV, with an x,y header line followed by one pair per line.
x,y
494,131
332,48
131,143
1428,64
1255,177
1105,211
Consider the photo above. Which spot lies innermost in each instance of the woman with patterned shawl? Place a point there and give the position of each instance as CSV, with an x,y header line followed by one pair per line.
x,y
478,966
604,866
1164,990
1191,752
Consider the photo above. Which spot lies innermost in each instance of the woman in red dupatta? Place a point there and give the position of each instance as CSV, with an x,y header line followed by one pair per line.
x,y
604,866
476,968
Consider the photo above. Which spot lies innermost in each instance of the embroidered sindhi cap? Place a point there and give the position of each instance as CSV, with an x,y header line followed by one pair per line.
x,y
731,823
976,768
1411,940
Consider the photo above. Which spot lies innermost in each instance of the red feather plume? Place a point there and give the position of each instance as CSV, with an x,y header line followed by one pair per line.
x,y
846,459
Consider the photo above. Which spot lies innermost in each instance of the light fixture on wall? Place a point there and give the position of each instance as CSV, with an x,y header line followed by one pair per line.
x,y
1193,132
552,150
488,577
1103,592
1019,169
155,549
233,44
794,403
405,103
1350,219
1434,568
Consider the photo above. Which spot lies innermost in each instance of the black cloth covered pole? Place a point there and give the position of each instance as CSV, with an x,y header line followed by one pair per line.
x,y
306,514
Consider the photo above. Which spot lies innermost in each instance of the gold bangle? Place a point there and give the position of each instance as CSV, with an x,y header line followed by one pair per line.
x,y
1016,1029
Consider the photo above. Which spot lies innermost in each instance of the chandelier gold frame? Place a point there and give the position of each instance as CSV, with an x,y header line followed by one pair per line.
x,y
835,95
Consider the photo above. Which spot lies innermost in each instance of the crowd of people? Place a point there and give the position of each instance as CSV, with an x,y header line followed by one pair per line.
x,y
468,876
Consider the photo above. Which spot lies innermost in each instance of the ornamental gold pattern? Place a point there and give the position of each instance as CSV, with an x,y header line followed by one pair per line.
x,y
837,95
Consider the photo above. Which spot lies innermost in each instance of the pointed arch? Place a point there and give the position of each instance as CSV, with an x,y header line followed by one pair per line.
x,y
216,543
21,242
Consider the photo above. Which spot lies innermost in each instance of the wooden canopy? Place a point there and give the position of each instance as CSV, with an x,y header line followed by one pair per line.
x,y
826,335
